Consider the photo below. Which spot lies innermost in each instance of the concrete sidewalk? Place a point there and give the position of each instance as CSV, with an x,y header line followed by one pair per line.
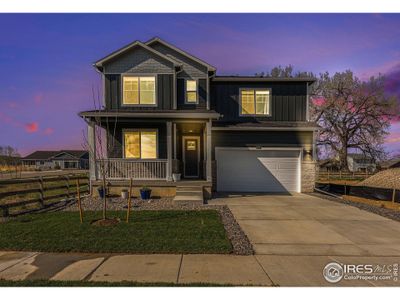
x,y
167,268
259,270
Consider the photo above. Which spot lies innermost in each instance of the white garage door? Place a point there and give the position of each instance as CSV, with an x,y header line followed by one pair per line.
x,y
246,170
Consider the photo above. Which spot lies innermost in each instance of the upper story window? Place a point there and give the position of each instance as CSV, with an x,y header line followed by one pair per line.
x,y
139,90
191,91
255,102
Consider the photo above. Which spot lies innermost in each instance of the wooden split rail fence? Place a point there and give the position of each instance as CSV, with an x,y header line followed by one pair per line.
x,y
328,175
38,187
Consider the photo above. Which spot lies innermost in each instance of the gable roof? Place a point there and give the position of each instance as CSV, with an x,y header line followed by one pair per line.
x,y
46,155
192,57
391,163
41,155
99,64
74,153
358,156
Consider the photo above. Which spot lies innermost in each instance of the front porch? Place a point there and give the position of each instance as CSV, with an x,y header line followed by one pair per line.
x,y
178,146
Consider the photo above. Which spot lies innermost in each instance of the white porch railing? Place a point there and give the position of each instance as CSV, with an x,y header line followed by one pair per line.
x,y
118,168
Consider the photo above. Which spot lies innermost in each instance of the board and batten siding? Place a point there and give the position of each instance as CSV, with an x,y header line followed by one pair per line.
x,y
201,94
289,100
261,138
164,93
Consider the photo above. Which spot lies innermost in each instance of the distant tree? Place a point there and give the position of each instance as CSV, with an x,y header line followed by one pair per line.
x,y
10,158
285,72
353,114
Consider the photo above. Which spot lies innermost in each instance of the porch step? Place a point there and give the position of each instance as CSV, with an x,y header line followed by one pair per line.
x,y
192,194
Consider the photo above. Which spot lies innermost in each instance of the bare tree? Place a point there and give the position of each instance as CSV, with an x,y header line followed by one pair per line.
x,y
353,114
10,158
104,144
285,72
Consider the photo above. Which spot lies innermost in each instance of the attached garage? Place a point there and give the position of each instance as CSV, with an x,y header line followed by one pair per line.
x,y
258,170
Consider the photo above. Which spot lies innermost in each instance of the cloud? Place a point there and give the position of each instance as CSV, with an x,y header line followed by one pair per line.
x,y
38,98
31,127
392,140
48,131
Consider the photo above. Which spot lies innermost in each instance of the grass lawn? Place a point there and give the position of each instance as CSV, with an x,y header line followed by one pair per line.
x,y
147,232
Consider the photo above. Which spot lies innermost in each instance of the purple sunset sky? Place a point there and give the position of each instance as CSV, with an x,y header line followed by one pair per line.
x,y
46,59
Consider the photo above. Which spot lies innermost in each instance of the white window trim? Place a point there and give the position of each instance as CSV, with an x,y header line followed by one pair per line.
x,y
139,75
197,91
140,143
255,115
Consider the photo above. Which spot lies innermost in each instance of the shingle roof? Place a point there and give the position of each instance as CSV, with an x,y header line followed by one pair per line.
x,y
76,153
42,155
358,156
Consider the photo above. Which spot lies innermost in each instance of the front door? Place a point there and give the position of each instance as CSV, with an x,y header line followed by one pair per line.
x,y
191,157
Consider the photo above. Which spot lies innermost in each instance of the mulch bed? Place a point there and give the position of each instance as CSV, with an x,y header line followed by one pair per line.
x,y
382,211
240,242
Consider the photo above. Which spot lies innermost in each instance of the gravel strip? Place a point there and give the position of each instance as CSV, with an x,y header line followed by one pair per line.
x,y
384,212
240,243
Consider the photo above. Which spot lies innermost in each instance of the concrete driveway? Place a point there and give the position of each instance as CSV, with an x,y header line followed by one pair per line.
x,y
295,236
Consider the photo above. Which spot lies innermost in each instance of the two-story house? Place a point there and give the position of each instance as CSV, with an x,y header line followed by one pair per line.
x,y
358,162
166,111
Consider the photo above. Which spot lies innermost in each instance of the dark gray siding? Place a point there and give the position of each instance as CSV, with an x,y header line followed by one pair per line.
x,y
116,150
138,60
261,138
202,95
164,87
289,100
191,68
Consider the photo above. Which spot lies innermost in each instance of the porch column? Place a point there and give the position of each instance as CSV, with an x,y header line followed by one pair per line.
x,y
92,150
208,154
169,151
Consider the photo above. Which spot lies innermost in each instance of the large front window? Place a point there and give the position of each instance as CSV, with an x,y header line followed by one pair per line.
x,y
139,90
140,144
255,102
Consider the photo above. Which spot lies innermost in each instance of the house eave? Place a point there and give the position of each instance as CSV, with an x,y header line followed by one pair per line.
x,y
198,60
260,79
99,64
266,128
150,115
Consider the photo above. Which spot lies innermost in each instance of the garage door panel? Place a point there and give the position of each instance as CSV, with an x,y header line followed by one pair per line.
x,y
257,170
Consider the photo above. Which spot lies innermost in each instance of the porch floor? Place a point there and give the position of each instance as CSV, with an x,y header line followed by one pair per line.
x,y
125,182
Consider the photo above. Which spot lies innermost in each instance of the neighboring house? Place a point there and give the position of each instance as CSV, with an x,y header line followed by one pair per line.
x,y
390,164
63,159
360,163
166,111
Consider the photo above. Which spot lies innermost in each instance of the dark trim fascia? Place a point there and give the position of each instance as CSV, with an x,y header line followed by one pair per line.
x,y
270,128
196,59
99,64
259,79
153,115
